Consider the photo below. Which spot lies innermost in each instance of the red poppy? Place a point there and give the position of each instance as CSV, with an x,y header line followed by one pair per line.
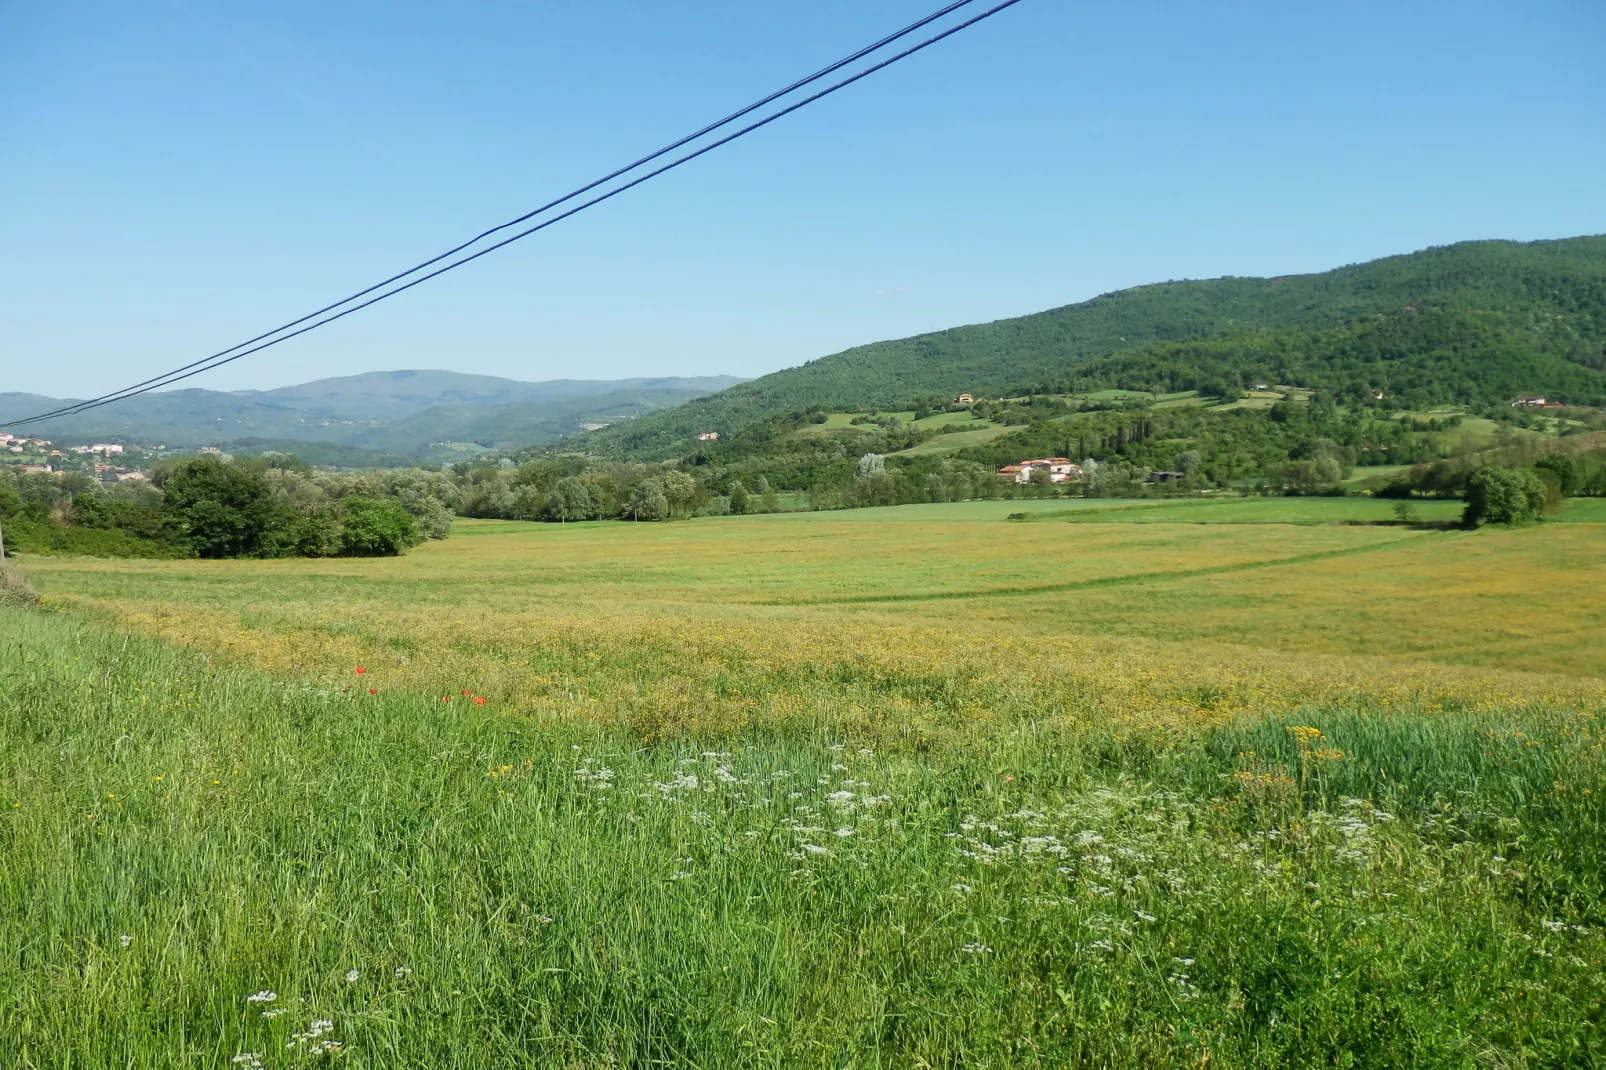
x,y
373,690
479,700
361,670
466,694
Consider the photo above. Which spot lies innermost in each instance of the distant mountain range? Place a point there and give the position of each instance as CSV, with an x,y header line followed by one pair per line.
x,y
419,414
1471,322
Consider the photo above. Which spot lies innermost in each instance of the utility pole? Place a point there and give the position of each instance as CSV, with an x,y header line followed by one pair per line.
x,y
2,545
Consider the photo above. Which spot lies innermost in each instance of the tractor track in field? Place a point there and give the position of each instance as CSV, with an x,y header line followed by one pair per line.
x,y
1091,584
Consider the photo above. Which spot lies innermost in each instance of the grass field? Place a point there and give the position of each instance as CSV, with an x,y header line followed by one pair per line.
x,y
1236,785
964,436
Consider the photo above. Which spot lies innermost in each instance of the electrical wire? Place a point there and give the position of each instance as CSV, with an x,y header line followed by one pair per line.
x,y
157,381
268,340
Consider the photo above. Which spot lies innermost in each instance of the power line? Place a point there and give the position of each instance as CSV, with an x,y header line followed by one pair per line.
x,y
268,339
159,380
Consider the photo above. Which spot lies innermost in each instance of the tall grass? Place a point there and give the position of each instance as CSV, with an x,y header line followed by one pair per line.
x,y
203,864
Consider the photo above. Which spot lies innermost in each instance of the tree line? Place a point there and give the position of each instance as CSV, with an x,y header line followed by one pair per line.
x,y
206,506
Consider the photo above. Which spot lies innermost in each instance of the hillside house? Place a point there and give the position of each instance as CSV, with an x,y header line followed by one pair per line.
x,y
1529,401
1060,470
708,436
965,399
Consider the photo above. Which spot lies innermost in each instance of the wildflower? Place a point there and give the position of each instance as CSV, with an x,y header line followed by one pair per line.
x,y
446,698
125,940
250,1060
466,693
315,1031
1142,916
479,700
361,670
264,996
843,833
977,949
352,975
403,972
373,690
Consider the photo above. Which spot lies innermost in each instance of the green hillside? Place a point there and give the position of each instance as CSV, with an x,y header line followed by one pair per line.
x,y
1422,356
1491,318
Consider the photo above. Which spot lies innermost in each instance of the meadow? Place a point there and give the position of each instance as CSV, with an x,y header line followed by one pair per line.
x,y
921,786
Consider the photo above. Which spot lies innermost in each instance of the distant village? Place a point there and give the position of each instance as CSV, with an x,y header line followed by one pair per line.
x,y
22,453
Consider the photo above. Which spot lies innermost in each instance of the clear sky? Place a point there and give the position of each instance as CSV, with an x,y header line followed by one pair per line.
x,y
176,175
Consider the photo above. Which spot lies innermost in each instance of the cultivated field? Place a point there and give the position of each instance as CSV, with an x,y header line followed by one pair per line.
x,y
1125,784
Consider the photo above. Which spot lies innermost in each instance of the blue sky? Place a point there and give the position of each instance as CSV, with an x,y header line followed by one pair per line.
x,y
176,175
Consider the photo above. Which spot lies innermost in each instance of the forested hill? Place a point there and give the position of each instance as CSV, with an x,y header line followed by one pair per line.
x,y
1499,314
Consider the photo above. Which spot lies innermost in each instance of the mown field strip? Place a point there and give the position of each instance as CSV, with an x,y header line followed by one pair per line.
x,y
1134,578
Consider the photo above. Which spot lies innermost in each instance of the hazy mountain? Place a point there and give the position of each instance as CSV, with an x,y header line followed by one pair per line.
x,y
399,412
391,395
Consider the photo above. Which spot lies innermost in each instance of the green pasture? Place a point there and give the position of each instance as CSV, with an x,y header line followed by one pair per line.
x,y
1247,782
207,867
1260,511
1375,474
962,420
958,440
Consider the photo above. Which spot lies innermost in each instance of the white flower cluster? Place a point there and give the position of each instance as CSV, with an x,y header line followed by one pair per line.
x,y
315,1040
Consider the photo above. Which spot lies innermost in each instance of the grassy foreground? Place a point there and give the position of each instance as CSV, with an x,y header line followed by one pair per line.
x,y
206,867
1242,786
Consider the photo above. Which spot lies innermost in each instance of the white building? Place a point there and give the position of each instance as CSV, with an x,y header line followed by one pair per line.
x,y
1060,470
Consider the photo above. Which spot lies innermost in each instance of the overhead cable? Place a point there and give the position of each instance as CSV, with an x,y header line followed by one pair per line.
x,y
284,332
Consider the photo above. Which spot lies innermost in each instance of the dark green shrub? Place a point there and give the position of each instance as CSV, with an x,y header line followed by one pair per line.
x,y
1566,471
377,528
1503,496
223,511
